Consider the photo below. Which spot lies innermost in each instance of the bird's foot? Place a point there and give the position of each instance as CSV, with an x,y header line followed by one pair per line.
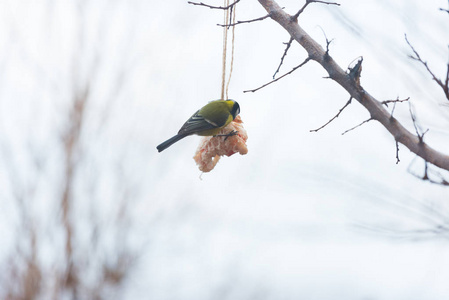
x,y
232,133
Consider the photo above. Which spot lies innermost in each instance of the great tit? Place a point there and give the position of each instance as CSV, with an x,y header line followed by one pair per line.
x,y
206,121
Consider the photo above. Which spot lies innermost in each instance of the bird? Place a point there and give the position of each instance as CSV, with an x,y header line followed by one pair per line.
x,y
207,121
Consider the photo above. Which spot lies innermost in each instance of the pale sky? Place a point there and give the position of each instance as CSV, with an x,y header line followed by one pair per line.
x,y
283,221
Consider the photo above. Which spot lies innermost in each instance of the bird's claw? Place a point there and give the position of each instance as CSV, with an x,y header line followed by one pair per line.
x,y
232,133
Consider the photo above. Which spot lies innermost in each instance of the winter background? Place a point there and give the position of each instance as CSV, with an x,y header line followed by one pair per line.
x,y
88,89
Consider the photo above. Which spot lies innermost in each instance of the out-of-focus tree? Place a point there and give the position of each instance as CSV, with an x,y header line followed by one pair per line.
x,y
68,183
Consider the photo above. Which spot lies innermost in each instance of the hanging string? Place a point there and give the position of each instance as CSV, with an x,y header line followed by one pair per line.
x,y
225,43
232,51
228,18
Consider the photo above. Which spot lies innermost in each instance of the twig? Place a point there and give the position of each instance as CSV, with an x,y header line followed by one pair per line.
x,y
394,104
336,116
446,83
397,152
392,111
295,16
426,177
283,56
394,101
446,10
357,126
442,180
214,7
327,42
247,21
412,115
437,231
294,69
417,57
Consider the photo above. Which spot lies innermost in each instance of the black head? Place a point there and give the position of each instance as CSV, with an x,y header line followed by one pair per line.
x,y
235,109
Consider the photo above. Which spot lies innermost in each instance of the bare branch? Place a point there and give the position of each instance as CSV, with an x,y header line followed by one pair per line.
x,y
386,102
294,69
426,177
436,231
417,57
397,152
295,16
283,56
357,126
446,83
394,101
446,10
413,116
336,116
247,21
214,7
376,109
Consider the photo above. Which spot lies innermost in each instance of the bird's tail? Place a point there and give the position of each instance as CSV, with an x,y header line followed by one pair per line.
x,y
170,142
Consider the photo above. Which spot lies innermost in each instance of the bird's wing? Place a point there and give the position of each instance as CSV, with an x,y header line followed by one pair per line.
x,y
197,123
218,112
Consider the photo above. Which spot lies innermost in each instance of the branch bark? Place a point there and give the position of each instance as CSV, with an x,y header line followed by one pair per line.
x,y
374,107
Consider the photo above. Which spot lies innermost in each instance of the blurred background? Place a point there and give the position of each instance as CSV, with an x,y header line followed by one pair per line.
x,y
91,210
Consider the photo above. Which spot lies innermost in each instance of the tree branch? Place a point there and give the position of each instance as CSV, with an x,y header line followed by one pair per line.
x,y
374,107
336,116
397,152
413,116
289,43
444,85
247,21
394,101
386,102
295,16
214,7
426,176
288,73
446,10
357,126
